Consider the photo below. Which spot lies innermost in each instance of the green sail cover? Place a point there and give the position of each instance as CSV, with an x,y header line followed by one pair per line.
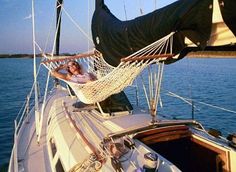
x,y
193,19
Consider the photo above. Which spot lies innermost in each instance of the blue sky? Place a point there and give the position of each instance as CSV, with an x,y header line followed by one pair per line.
x,y
16,25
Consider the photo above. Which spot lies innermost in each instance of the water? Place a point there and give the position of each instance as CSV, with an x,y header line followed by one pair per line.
x,y
211,81
13,89
15,83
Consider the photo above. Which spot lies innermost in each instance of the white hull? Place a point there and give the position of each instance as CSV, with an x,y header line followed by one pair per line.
x,y
70,136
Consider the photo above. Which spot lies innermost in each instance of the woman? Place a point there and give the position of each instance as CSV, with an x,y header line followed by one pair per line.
x,y
74,73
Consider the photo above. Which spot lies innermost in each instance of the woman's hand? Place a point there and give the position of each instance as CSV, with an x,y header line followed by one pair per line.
x,y
60,67
56,72
63,66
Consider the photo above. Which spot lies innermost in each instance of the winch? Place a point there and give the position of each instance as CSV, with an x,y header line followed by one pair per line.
x,y
151,162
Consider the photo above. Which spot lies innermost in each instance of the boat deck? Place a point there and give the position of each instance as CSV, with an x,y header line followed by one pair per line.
x,y
33,156
77,132
95,128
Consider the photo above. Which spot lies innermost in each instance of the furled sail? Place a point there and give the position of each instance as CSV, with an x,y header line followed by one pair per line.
x,y
116,39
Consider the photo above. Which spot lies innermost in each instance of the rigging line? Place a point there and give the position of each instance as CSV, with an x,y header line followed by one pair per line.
x,y
88,26
152,79
20,121
190,87
49,33
73,21
44,55
214,106
177,96
31,91
155,73
23,117
34,51
207,104
145,91
150,83
35,71
125,10
171,43
21,109
40,49
140,9
24,104
158,88
43,105
135,86
160,99
156,81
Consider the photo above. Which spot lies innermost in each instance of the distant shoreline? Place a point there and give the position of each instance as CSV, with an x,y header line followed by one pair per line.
x,y
18,55
198,54
27,55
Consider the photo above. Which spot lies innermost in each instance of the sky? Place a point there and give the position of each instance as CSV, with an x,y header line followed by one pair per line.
x,y
16,22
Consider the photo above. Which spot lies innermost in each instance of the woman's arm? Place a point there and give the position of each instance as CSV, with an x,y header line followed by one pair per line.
x,y
56,72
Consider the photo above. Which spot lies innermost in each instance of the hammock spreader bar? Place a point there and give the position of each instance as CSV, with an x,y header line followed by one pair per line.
x,y
68,58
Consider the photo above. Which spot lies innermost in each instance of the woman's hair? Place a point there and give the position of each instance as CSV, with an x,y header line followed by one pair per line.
x,y
76,63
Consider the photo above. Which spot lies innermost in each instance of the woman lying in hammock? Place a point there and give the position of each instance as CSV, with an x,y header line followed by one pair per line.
x,y
74,73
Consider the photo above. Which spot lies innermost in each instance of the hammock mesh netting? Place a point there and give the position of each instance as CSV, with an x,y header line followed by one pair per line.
x,y
112,80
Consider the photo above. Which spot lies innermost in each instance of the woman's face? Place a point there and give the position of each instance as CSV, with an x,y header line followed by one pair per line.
x,y
73,67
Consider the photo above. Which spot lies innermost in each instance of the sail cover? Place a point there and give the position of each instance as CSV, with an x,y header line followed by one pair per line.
x,y
116,39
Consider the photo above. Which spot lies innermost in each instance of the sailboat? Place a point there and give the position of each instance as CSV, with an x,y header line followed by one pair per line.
x,y
94,127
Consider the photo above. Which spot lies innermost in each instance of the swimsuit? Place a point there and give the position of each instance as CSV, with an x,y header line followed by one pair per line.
x,y
81,79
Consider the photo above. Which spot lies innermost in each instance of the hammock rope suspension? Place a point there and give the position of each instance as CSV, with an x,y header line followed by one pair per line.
x,y
112,80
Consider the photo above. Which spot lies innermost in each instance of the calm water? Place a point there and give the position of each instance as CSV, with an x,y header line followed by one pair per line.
x,y
211,81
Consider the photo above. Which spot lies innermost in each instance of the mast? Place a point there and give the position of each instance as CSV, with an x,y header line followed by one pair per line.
x,y
58,24
58,33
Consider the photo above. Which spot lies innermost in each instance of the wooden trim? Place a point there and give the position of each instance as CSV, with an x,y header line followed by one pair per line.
x,y
148,57
167,136
161,130
164,134
150,127
222,154
83,137
69,58
207,145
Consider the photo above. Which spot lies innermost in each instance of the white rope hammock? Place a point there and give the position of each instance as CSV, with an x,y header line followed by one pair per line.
x,y
112,80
